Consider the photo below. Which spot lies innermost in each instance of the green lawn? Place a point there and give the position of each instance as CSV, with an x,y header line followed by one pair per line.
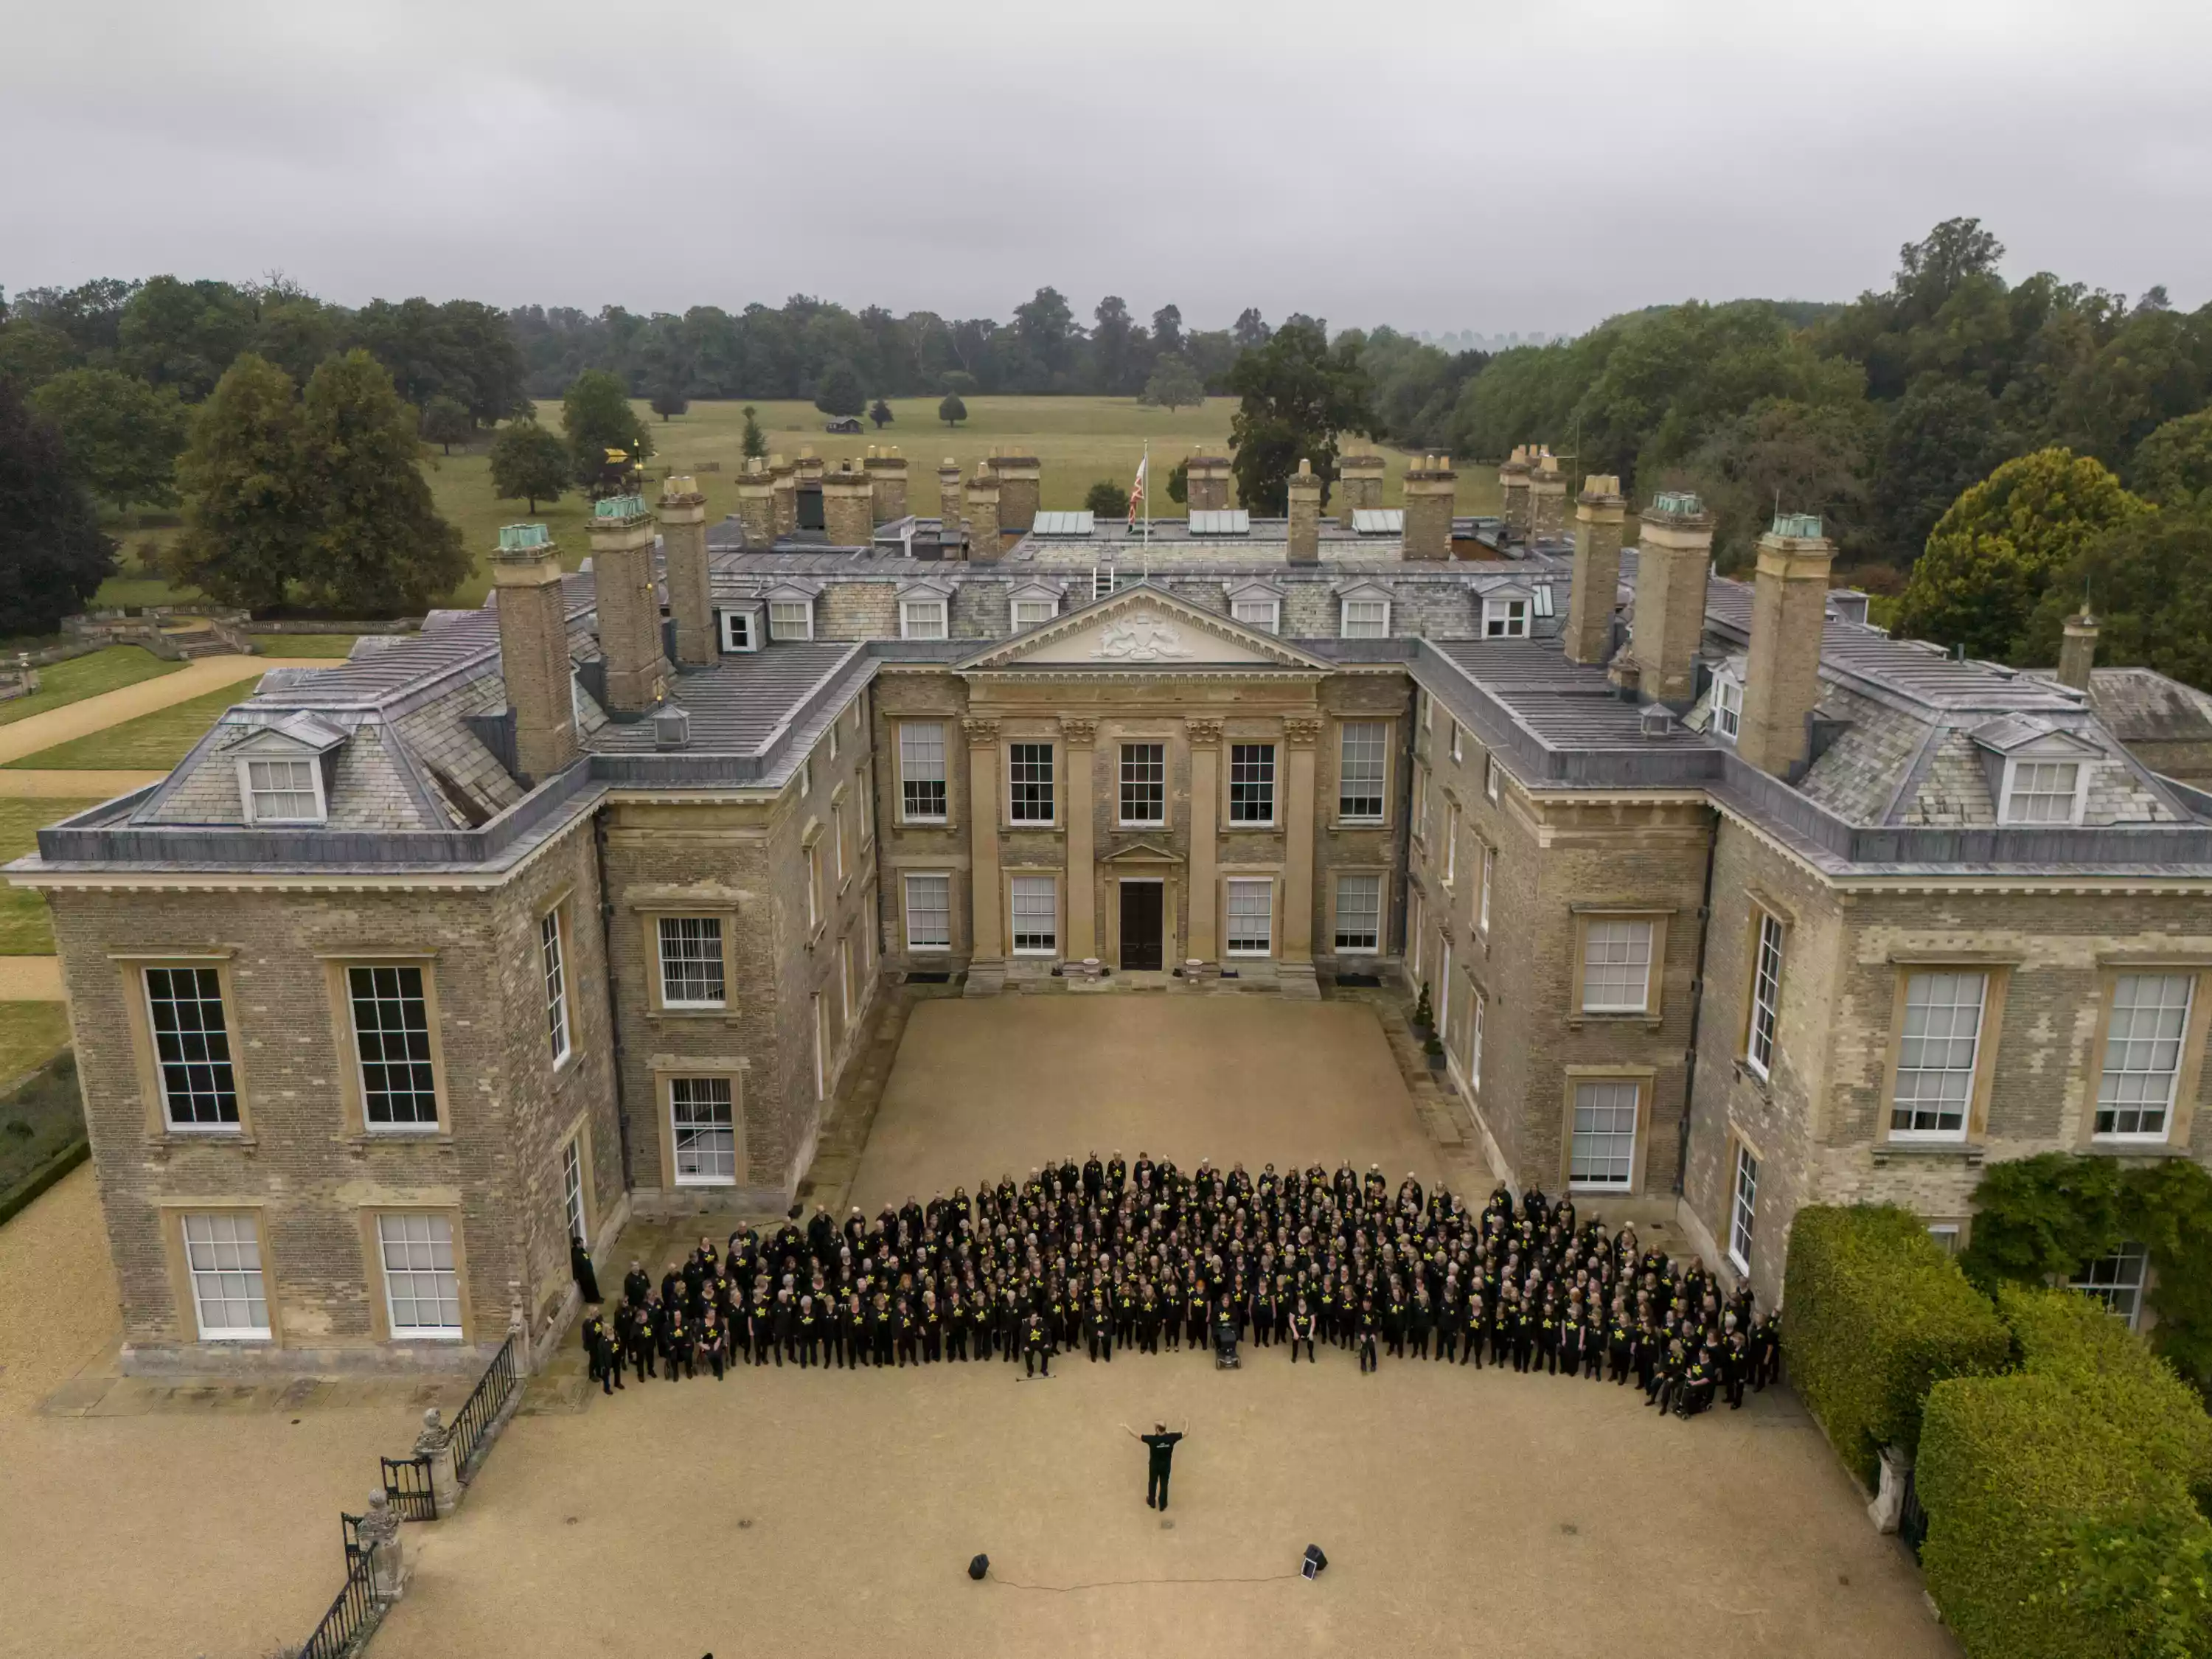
x,y
1079,440
31,1034
155,740
304,645
84,676
25,930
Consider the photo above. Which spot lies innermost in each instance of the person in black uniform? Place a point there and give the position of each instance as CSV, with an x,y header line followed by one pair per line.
x,y
1303,1324
1368,1322
1160,1444
637,1283
1037,1349
645,1336
601,1344
713,1343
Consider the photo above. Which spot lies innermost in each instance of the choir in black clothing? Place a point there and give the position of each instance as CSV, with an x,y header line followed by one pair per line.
x,y
1112,1255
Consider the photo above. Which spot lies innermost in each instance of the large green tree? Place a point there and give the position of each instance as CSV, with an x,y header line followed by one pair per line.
x,y
447,421
597,416
1297,394
122,435
2150,583
1993,556
529,464
380,548
52,556
31,353
1941,437
185,334
1174,385
2173,466
1799,458
840,392
250,517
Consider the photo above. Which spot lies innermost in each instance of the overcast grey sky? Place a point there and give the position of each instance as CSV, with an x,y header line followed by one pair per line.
x,y
1468,165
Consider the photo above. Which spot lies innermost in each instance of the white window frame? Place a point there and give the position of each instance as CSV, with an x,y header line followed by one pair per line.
x,y
1246,819
1364,619
184,1042
1490,783
1033,613
1766,961
428,1244
1266,884
1623,940
703,1118
914,763
1444,995
2034,765
1021,813
1420,825
943,879
1602,1094
662,938
847,999
926,618
553,963
1482,896
1032,888
1428,710
1451,843
1728,706
1456,733
1270,619
414,1126
1505,618
1416,938
2146,1059
248,790
741,632
1917,1104
2117,1281
814,900
1122,784
1743,1206
572,1190
820,1016
789,626
1475,1020
216,1258
1369,884
1946,1234
837,842
1364,733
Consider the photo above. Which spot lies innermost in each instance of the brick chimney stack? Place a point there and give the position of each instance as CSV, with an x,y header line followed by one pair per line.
x,y
1206,482
887,475
1359,486
1599,514
1513,485
1021,484
1430,486
1788,619
534,650
1304,488
2077,652
948,499
809,466
757,502
983,542
628,601
848,517
783,478
683,554
1547,500
1674,558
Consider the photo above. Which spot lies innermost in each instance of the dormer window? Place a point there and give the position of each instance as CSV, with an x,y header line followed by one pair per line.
x,y
1366,619
1256,606
791,619
1505,616
921,619
282,791
2041,792
1034,613
740,631
1728,707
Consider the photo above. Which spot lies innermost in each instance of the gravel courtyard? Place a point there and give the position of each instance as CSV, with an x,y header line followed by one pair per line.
x,y
1463,1512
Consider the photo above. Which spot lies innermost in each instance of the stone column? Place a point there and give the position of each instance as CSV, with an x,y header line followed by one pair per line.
x,y
1076,738
1204,944
1431,488
987,940
1600,513
436,1444
757,502
683,554
1301,733
379,1531
1305,515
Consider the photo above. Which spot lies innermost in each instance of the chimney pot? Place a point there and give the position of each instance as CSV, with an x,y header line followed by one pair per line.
x,y
1789,623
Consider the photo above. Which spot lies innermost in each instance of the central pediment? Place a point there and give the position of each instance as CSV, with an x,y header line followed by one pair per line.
x,y
1142,627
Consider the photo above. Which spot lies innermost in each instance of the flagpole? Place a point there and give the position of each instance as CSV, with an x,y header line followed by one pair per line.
x,y
1146,559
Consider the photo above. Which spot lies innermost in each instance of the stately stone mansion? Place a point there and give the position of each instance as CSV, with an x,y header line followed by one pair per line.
x,y
573,906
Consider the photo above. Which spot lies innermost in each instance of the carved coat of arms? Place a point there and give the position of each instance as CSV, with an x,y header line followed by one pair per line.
x,y
1140,639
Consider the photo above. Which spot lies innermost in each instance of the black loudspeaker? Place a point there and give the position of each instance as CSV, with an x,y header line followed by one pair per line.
x,y
1315,1561
979,1566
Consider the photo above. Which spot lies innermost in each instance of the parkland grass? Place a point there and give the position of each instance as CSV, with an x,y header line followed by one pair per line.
x,y
158,740
65,683
26,930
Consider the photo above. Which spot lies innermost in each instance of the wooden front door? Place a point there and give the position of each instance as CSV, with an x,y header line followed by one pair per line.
x,y
1142,942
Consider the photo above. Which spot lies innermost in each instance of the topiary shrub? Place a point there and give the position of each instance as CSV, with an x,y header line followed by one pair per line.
x,y
1874,1315
2060,1524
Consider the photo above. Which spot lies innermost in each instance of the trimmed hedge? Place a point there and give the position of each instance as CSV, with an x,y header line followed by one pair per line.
x,y
2029,1479
1874,1315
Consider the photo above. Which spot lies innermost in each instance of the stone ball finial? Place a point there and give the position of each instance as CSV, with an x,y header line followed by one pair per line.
x,y
1305,468
431,1420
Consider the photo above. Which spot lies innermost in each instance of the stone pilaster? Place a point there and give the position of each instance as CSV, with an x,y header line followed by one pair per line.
x,y
1204,941
534,650
1789,618
1076,739
987,938
1430,491
1305,515
629,602
1599,514
1301,735
848,507
683,554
